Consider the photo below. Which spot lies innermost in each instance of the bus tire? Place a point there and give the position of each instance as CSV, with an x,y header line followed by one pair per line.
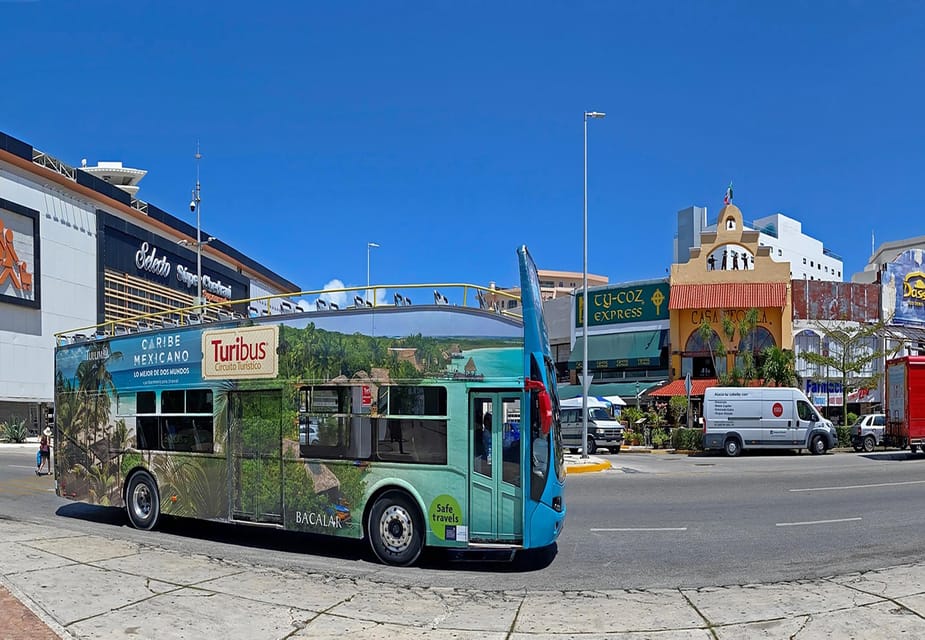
x,y
396,529
142,502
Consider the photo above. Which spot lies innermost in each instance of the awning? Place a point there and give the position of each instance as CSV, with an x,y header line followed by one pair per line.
x,y
898,332
698,386
677,388
621,350
626,390
735,295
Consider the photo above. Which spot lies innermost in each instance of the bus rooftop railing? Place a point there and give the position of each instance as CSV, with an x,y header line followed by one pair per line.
x,y
488,299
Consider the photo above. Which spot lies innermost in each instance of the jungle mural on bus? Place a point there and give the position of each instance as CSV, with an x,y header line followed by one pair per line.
x,y
97,430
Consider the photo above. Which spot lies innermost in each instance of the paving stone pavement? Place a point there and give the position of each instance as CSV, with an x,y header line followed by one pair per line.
x,y
57,583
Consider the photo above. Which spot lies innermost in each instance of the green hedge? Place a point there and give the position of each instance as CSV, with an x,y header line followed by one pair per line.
x,y
687,439
844,436
692,439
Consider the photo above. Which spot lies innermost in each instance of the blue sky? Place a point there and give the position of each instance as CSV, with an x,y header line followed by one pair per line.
x,y
451,132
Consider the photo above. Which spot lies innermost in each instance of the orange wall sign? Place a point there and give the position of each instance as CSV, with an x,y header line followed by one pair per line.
x,y
19,254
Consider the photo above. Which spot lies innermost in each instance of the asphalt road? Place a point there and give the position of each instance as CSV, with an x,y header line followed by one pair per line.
x,y
653,521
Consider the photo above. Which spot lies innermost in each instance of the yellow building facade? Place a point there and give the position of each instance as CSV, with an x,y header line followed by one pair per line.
x,y
729,274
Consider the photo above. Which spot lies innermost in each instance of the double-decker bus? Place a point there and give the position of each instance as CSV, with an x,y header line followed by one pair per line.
x,y
407,425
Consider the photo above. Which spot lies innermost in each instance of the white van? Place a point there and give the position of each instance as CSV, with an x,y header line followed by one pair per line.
x,y
603,429
736,418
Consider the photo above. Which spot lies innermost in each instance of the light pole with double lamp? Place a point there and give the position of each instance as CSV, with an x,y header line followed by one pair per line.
x,y
369,245
194,206
585,377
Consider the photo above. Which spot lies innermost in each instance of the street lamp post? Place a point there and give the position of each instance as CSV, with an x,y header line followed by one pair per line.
x,y
194,206
369,245
585,380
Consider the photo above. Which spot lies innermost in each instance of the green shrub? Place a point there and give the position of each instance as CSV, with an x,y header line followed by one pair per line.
x,y
844,436
14,431
687,439
852,418
631,415
660,438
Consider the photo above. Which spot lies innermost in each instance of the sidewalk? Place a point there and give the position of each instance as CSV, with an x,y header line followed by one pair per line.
x,y
92,587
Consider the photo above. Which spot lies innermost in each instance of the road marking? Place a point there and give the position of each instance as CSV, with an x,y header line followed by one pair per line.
x,y
19,466
859,486
643,529
799,524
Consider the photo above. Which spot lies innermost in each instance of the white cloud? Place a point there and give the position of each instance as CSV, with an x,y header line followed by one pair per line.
x,y
343,299
337,297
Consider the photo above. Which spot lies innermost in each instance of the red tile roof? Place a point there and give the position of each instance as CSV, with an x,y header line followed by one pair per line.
x,y
735,295
676,387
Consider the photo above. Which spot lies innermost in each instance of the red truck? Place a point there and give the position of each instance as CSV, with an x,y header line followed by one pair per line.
x,y
905,403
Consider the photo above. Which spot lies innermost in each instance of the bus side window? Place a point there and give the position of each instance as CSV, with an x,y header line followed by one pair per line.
x,y
146,428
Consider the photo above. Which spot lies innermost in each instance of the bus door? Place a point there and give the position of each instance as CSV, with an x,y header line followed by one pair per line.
x,y
495,493
254,424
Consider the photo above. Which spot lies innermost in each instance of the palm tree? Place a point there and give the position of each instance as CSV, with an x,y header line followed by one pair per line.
x,y
94,384
779,367
709,337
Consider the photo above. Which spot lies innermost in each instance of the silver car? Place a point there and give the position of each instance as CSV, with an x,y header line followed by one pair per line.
x,y
867,432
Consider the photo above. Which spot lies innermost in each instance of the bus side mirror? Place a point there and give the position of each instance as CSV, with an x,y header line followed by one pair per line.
x,y
544,404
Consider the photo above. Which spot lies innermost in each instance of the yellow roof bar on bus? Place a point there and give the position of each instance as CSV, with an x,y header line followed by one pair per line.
x,y
221,311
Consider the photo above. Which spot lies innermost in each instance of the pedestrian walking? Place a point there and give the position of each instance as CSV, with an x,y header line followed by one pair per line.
x,y
44,457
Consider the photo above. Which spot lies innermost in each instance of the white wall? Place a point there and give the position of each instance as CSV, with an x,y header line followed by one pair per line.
x,y
793,246
67,280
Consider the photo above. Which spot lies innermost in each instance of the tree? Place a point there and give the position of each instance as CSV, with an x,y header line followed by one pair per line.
x,y
677,406
778,367
850,353
714,344
744,370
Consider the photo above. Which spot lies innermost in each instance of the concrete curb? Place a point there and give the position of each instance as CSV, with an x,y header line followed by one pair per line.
x,y
587,467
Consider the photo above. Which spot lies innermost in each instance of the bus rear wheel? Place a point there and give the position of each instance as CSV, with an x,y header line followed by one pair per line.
x,y
142,502
396,529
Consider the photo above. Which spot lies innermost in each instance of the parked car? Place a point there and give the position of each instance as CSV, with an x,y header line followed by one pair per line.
x,y
603,429
867,432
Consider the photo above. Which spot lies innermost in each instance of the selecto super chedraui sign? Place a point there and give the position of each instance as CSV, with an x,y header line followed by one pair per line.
x,y
625,304
241,353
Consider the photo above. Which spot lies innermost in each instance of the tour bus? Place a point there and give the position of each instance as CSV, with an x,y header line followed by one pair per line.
x,y
404,425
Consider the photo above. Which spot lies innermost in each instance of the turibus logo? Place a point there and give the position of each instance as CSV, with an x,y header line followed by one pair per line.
x,y
245,352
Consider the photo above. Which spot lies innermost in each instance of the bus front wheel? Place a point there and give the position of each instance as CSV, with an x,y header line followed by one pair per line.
x,y
142,502
396,529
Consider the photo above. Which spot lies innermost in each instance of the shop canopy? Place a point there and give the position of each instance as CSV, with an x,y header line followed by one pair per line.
x,y
621,350
593,401
677,388
733,295
607,390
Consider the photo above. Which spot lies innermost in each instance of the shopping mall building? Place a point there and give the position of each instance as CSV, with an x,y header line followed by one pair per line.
x,y
77,248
